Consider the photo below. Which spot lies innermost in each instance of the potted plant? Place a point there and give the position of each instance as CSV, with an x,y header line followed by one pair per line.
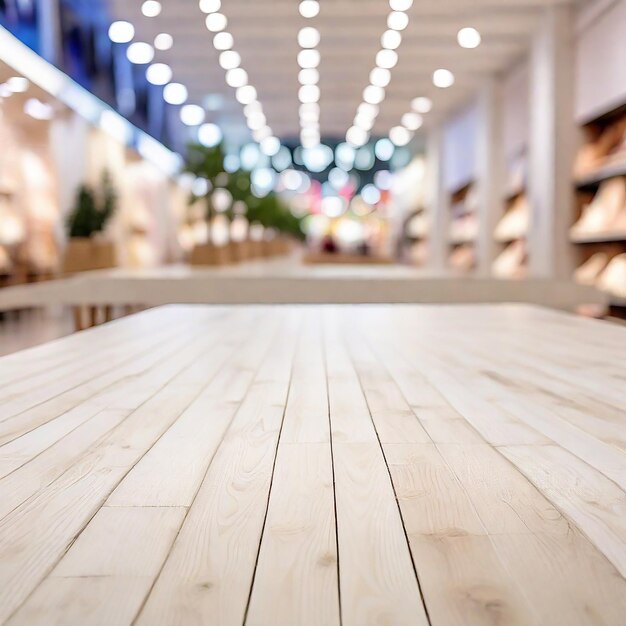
x,y
87,249
208,164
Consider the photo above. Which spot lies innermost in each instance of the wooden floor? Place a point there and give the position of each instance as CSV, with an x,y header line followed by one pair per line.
x,y
323,466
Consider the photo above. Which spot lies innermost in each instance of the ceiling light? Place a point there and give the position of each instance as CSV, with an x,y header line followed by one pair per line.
x,y
121,32
270,146
309,93
308,37
370,194
365,108
386,59
163,41
380,77
216,22
257,121
246,94
309,77
391,39
412,121
175,94
309,8
140,53
469,38
384,149
192,115
422,104
443,78
400,135
383,179
397,20
262,133
357,136
159,74
229,59
309,113
38,110
223,41
338,178
308,142
308,59
400,5
17,84
209,135
151,8
254,108
237,77
210,6
373,94
318,158
364,122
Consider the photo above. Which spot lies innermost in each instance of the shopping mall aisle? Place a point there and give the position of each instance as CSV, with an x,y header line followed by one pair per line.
x,y
400,465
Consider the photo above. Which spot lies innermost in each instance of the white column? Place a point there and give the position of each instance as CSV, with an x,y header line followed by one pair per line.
x,y
551,143
489,172
49,30
69,137
437,201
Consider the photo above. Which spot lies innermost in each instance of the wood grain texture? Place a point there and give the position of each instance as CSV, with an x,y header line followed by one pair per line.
x,y
279,466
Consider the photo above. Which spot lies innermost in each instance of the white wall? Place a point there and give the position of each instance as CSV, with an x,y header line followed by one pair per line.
x,y
601,59
459,142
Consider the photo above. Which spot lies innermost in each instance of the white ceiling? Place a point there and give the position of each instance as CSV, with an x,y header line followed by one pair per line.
x,y
265,33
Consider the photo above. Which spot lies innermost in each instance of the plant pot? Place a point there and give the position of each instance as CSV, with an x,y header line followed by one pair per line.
x,y
84,254
209,254
240,251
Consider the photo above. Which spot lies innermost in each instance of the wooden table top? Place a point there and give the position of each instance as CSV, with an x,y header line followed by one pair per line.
x,y
295,466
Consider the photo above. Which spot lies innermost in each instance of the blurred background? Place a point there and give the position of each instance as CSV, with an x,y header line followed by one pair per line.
x,y
463,141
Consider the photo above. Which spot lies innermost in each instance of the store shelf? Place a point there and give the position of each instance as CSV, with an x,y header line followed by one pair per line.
x,y
599,238
461,241
510,238
599,176
512,194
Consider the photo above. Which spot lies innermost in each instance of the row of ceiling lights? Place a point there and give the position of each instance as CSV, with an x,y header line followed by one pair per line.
x,y
386,59
237,77
308,59
308,77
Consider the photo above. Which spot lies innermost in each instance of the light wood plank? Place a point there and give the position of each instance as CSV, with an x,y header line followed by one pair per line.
x,y
296,576
378,583
209,573
92,601
351,420
122,541
308,393
594,503
35,535
171,472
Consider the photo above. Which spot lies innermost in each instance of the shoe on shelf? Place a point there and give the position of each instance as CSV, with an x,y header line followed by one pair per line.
x,y
463,258
613,279
589,272
593,155
418,226
511,262
600,215
515,223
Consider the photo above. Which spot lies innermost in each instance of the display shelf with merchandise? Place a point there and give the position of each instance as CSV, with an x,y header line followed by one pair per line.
x,y
511,231
463,231
599,229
